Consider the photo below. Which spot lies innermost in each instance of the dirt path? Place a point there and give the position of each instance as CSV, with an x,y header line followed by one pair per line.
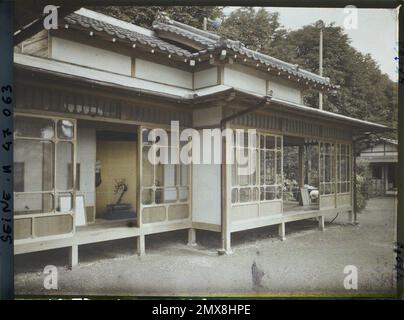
x,y
308,262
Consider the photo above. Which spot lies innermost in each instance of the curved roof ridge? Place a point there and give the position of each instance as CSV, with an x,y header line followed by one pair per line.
x,y
162,17
205,38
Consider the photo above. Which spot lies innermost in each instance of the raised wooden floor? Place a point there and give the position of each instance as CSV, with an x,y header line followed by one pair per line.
x,y
101,230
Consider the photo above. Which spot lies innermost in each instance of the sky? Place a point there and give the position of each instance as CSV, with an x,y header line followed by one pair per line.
x,y
376,32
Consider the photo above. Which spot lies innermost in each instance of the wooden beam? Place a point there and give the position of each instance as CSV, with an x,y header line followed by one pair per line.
x,y
37,25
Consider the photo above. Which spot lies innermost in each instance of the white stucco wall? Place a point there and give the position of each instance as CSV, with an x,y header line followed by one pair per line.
x,y
206,206
81,54
205,78
163,74
240,77
86,156
285,90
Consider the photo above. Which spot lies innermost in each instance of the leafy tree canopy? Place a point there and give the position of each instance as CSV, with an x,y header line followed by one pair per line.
x,y
144,16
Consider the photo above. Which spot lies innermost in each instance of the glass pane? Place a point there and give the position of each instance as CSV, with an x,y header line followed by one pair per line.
x,y
343,187
244,194
262,167
262,141
145,137
183,194
270,142
327,188
343,149
184,172
159,175
33,203
64,202
327,168
170,175
279,192
35,161
270,167
343,169
254,194
270,193
241,138
34,127
147,196
64,159
147,168
254,166
244,180
166,195
234,177
279,143
279,167
65,129
234,195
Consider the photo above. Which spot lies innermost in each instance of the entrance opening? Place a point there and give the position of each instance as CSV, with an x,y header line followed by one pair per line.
x,y
301,174
116,173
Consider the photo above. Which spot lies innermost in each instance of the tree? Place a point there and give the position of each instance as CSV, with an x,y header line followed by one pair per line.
x,y
256,29
144,16
365,92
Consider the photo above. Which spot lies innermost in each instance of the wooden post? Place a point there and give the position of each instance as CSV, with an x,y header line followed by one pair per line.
x,y
6,153
282,231
73,256
191,237
354,183
321,223
351,217
301,166
141,245
225,184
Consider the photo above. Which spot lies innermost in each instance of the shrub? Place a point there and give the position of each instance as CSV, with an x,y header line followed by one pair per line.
x,y
363,175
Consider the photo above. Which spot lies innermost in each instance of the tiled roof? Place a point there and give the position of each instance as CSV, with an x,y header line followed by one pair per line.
x,y
209,41
213,41
75,19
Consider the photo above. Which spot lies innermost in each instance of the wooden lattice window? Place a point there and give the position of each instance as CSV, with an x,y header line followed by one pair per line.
x,y
265,182
343,168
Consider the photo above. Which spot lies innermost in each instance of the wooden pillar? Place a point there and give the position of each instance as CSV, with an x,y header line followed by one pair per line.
x,y
351,217
321,223
6,153
191,237
386,178
282,231
225,185
73,255
141,245
354,182
301,166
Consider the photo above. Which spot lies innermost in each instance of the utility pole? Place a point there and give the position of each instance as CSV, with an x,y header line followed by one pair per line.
x,y
320,25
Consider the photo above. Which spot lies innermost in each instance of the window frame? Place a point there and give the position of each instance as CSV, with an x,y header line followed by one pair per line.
x,y
258,187
54,191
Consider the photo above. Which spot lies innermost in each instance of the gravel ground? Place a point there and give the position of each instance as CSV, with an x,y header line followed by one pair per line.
x,y
309,262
